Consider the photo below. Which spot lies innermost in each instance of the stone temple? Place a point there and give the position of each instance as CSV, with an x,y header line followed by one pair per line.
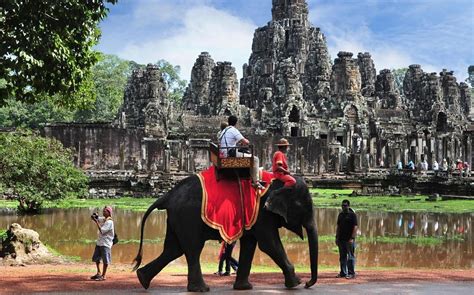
x,y
341,115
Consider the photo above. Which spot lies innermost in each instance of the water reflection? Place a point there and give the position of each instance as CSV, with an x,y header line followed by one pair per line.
x,y
72,233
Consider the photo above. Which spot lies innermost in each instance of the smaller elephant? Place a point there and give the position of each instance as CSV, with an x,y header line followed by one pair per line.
x,y
186,233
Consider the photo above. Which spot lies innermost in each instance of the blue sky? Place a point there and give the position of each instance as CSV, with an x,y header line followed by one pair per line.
x,y
434,33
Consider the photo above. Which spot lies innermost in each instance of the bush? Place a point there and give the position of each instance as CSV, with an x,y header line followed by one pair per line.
x,y
34,169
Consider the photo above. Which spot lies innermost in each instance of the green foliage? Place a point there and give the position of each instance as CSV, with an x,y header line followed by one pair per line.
x,y
103,87
109,79
34,169
175,85
399,75
19,114
47,48
3,235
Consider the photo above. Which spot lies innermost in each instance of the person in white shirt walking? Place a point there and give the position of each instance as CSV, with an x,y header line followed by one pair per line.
x,y
103,248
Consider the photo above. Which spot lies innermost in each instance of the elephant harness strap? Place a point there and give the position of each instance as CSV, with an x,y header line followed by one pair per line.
x,y
230,206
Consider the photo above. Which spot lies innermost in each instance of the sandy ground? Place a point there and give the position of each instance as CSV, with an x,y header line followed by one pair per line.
x,y
75,278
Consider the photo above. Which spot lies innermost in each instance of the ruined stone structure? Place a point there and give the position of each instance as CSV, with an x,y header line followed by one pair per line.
x,y
196,97
146,104
213,89
288,73
340,116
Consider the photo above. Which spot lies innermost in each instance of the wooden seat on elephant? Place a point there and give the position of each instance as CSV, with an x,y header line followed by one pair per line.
x,y
230,167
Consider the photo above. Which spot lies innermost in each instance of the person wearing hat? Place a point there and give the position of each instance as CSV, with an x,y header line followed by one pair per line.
x,y
280,164
103,248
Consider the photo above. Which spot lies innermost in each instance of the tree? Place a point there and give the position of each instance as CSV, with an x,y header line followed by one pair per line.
x,y
34,169
19,114
47,47
176,86
103,87
109,78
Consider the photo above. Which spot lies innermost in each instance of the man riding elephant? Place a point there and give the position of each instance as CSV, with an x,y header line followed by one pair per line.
x,y
280,164
280,171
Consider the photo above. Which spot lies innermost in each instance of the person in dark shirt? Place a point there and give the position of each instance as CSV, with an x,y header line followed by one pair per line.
x,y
345,240
225,254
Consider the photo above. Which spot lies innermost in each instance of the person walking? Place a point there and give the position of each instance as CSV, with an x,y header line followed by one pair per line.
x,y
225,254
103,248
346,232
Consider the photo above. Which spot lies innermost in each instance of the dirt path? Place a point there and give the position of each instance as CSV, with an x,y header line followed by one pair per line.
x,y
75,278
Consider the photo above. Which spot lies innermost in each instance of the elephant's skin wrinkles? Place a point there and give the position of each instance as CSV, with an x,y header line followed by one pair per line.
x,y
186,233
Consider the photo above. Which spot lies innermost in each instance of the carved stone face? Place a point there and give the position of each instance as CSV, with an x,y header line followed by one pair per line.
x,y
227,88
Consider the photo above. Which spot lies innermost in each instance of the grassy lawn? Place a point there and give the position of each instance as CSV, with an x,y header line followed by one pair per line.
x,y
126,203
332,198
322,198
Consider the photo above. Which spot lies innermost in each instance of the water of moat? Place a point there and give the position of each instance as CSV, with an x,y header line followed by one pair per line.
x,y
71,232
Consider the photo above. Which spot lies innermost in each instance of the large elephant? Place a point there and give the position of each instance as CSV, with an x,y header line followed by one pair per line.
x,y
186,233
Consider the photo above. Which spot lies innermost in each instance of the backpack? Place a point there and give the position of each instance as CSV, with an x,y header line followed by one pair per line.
x,y
115,240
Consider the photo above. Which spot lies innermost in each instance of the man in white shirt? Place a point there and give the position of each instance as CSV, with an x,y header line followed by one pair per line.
x,y
103,248
229,139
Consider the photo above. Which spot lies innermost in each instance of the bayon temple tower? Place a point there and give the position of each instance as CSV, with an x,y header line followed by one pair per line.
x,y
340,112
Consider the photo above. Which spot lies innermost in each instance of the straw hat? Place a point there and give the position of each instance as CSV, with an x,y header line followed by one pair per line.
x,y
283,142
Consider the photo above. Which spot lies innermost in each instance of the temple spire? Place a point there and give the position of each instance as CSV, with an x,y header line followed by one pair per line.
x,y
290,11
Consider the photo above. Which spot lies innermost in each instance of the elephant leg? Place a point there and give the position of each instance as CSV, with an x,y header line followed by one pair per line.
x,y
247,250
171,251
269,242
195,280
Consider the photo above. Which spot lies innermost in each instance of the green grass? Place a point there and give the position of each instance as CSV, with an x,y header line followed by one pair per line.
x,y
126,203
419,241
332,198
121,242
273,268
322,198
8,204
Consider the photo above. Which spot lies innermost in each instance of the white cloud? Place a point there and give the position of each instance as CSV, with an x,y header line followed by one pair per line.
x,y
362,40
203,28
355,27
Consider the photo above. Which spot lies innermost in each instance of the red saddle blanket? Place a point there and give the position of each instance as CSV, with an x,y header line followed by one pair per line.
x,y
223,208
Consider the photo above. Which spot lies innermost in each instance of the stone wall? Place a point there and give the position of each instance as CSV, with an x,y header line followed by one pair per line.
x,y
105,147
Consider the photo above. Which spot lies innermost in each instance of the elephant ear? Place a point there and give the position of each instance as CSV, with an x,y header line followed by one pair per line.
x,y
277,202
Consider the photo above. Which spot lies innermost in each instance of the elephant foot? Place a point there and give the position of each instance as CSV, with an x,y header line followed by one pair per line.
x,y
243,286
198,288
292,282
144,280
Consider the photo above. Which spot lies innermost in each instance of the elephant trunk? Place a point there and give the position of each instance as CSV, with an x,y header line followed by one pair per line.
x,y
312,232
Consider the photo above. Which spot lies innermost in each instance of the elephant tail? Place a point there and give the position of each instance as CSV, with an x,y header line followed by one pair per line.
x,y
158,204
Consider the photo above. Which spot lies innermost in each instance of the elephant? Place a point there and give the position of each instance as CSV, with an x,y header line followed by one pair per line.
x,y
186,233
